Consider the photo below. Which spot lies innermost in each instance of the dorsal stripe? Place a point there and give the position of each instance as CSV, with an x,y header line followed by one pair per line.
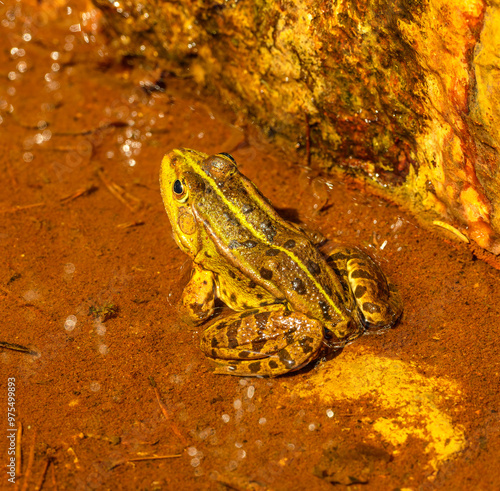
x,y
243,219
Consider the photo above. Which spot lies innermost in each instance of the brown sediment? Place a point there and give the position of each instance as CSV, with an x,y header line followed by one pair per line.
x,y
416,406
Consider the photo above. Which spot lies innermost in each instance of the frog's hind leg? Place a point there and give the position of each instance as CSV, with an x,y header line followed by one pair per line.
x,y
378,302
266,342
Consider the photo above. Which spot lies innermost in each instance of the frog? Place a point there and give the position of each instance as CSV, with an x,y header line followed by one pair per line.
x,y
289,303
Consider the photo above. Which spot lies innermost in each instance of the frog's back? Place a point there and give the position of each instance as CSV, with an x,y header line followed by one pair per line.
x,y
251,236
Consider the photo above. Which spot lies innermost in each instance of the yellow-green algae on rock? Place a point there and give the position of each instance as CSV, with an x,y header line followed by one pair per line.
x,y
415,402
401,92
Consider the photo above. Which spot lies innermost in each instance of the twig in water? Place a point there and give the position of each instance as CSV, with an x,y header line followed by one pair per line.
x,y
54,482
141,459
31,459
165,412
21,207
131,202
452,229
130,224
19,454
90,188
17,347
38,487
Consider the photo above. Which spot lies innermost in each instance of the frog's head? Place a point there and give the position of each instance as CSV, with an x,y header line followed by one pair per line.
x,y
185,178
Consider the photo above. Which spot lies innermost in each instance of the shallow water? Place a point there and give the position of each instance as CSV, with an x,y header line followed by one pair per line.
x,y
91,277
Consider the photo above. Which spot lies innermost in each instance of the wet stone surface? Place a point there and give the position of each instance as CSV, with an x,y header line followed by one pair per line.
x,y
91,277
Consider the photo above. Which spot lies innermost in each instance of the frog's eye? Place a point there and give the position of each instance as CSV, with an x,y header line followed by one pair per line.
x,y
180,191
228,155
219,166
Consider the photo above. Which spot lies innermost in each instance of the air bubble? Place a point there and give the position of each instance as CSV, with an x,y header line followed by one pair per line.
x,y
195,462
100,328
70,322
250,391
27,156
27,37
226,418
237,404
311,427
192,451
95,386
330,413
31,295
241,454
262,421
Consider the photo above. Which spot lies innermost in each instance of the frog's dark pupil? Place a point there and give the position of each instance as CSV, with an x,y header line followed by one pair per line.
x,y
178,189
229,156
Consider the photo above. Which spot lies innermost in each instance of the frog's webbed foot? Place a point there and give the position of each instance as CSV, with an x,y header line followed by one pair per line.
x,y
378,301
264,342
198,297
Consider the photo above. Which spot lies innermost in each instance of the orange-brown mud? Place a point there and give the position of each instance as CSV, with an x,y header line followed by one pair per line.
x,y
90,279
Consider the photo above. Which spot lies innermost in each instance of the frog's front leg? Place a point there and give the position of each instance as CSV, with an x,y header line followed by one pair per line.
x,y
198,296
269,341
378,302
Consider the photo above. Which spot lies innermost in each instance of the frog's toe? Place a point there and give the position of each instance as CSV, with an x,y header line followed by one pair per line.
x,y
272,366
381,314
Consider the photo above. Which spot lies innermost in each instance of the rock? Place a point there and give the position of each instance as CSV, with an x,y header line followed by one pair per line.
x,y
403,93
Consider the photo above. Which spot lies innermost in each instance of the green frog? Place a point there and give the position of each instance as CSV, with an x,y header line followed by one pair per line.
x,y
290,302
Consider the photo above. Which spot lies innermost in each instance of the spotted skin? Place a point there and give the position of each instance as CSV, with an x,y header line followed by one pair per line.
x,y
378,303
262,342
265,268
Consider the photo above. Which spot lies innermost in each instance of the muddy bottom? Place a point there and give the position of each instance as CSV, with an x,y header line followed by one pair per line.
x,y
115,393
